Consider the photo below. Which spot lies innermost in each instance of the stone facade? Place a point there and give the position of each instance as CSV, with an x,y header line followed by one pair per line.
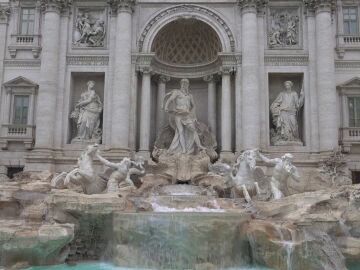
x,y
236,54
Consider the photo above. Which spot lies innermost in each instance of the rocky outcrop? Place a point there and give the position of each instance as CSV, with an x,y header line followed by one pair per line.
x,y
36,244
311,230
285,246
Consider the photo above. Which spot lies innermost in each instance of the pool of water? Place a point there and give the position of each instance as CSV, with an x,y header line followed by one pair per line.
x,y
107,266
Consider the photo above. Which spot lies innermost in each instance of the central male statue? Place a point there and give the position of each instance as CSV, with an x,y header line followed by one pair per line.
x,y
179,103
184,145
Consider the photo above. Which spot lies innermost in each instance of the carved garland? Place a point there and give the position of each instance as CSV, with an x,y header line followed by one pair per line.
x,y
186,8
4,13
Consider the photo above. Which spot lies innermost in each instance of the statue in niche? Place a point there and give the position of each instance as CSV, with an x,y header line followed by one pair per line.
x,y
121,172
283,170
285,114
179,104
185,145
90,31
284,28
87,116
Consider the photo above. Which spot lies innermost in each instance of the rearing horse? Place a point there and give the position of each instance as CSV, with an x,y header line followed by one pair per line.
x,y
243,174
84,175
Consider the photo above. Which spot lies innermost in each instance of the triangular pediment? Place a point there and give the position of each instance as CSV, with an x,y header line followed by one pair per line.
x,y
20,82
352,83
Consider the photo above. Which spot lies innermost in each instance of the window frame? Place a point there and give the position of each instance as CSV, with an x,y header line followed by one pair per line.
x,y
21,20
357,19
13,116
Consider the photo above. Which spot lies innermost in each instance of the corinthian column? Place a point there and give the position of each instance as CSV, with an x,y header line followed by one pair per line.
x,y
46,101
225,112
250,75
325,68
4,14
122,74
145,111
160,115
211,103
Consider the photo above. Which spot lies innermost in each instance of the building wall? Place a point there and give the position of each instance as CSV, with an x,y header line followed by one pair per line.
x,y
74,64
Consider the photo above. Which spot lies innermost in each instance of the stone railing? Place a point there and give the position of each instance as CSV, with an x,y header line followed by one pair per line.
x,y
30,40
25,42
351,40
347,42
17,131
349,136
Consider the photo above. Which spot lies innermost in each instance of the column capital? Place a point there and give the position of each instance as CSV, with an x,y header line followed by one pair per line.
x,y
55,5
227,70
145,70
319,5
4,13
163,79
119,6
210,78
252,5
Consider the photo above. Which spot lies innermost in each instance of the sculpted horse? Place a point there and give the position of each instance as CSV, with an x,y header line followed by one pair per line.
x,y
83,175
244,174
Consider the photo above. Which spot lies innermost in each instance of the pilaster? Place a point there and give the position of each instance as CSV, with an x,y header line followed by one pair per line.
x,y
121,96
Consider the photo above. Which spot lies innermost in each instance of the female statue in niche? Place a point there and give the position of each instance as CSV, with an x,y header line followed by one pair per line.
x,y
87,116
284,110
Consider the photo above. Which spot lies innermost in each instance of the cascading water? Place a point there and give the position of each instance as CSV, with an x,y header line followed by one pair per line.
x,y
179,240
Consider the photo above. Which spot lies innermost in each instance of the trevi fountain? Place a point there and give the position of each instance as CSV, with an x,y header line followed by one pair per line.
x,y
184,209
179,135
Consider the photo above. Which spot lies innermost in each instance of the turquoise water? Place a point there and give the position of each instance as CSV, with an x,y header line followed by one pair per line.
x,y
107,266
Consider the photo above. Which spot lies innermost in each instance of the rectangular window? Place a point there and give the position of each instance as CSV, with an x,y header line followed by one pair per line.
x,y
27,21
350,20
21,109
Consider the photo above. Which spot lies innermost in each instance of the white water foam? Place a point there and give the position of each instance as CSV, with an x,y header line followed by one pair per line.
x,y
199,209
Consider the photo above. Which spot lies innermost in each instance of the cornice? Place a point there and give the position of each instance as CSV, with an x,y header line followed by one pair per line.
x,y
87,60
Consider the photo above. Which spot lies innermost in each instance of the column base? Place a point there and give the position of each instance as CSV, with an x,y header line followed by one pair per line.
x,y
227,157
145,154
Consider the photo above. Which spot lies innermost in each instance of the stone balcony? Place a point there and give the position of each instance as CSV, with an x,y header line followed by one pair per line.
x,y
25,42
17,133
347,42
349,137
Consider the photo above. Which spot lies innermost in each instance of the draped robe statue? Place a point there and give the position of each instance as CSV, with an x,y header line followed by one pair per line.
x,y
180,106
284,111
87,116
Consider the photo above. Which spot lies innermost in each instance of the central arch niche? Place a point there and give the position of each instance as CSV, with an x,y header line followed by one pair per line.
x,y
188,42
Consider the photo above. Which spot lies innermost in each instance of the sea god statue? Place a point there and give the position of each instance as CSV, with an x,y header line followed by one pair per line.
x,y
87,116
179,103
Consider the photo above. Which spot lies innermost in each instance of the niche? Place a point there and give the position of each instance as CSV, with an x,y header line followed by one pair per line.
x,y
86,107
286,109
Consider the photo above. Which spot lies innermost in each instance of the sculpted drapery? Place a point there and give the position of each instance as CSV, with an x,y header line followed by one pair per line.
x,y
87,115
284,111
179,103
